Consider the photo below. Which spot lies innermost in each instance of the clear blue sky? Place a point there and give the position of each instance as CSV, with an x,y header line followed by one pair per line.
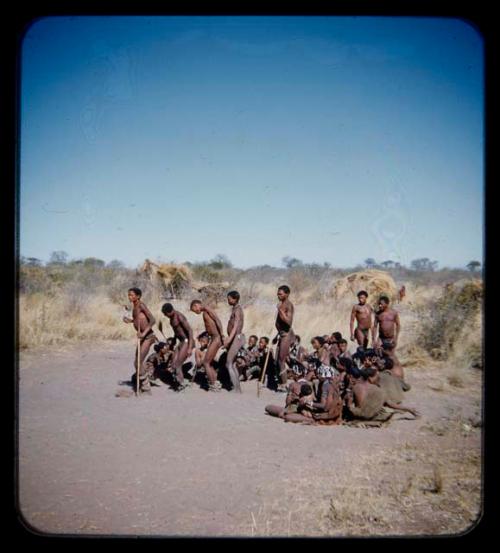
x,y
324,138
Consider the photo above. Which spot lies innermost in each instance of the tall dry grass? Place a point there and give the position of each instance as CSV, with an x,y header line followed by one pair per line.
x,y
65,304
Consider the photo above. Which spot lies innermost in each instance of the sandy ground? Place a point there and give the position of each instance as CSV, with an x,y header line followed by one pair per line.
x,y
205,464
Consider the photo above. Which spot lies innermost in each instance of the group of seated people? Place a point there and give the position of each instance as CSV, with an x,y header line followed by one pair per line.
x,y
329,385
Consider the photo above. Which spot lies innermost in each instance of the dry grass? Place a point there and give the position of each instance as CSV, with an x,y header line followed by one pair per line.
x,y
56,307
410,490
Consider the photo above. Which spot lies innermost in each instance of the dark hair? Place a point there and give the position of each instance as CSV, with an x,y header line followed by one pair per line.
x,y
137,291
343,341
254,336
285,289
370,371
167,308
362,293
305,390
234,294
172,340
159,346
355,372
194,302
387,345
385,299
265,338
346,362
204,334
388,363
297,337
337,336
319,339
370,352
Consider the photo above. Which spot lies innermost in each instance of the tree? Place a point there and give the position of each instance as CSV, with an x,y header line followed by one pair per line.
x,y
473,265
291,262
388,263
370,262
116,264
93,262
59,257
423,264
219,262
32,261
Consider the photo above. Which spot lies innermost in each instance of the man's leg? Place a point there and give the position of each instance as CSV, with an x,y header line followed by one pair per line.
x,y
284,349
275,411
360,338
297,417
210,354
180,356
236,344
143,372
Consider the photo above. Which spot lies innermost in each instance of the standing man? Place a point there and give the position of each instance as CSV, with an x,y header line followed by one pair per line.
x,y
387,321
286,336
185,341
235,338
143,321
362,313
214,328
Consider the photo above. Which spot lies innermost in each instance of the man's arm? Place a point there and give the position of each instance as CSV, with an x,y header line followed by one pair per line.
x,y
285,313
213,315
374,329
188,330
398,328
351,323
237,321
151,320
402,408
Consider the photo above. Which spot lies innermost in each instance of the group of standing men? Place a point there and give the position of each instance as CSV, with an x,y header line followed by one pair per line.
x,y
179,349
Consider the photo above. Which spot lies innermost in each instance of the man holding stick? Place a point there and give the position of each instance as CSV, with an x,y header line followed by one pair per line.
x,y
286,336
143,321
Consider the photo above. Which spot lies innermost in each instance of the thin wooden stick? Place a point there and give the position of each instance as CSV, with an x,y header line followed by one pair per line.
x,y
261,379
138,363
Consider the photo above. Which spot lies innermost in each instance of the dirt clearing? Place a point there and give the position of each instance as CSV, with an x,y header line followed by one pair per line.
x,y
205,464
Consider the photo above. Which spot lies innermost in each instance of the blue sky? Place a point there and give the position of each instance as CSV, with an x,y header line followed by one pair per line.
x,y
324,138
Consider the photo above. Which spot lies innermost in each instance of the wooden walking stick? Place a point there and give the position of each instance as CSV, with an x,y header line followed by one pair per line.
x,y
160,328
138,364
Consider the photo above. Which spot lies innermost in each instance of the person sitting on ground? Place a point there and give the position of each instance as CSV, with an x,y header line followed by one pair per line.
x,y
366,401
319,358
297,355
251,349
344,366
255,370
328,410
199,354
397,368
293,395
156,363
334,347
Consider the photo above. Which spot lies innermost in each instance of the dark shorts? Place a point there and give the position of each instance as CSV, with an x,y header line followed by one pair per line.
x,y
150,336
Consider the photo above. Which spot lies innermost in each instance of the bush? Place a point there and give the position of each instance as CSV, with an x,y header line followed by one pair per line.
x,y
443,322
